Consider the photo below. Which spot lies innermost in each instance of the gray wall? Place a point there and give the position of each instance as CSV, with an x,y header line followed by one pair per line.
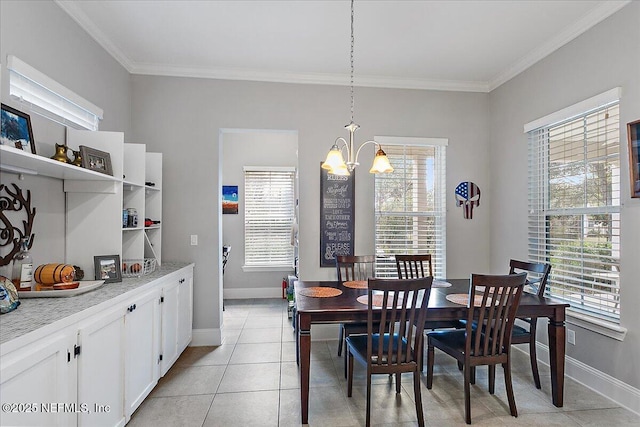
x,y
182,117
251,148
605,57
45,37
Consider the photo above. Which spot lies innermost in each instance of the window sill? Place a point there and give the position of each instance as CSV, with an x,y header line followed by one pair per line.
x,y
265,268
602,327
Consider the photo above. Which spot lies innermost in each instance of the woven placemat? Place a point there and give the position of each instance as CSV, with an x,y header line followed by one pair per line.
x,y
463,299
377,300
356,284
440,284
320,292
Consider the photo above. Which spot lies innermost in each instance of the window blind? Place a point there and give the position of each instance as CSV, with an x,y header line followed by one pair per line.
x,y
269,201
50,99
574,209
410,207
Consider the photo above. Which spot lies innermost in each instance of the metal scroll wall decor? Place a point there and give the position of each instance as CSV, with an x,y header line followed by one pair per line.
x,y
12,205
467,196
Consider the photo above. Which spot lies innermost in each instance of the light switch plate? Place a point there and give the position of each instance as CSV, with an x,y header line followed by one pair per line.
x,y
194,240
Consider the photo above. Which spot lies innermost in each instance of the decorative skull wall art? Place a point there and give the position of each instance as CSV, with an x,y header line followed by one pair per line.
x,y
467,196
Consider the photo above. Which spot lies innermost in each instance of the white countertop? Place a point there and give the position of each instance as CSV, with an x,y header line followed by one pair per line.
x,y
38,313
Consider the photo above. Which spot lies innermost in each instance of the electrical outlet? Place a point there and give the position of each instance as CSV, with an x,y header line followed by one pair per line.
x,y
194,240
571,336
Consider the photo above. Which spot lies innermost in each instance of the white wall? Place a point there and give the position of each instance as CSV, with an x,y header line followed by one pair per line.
x,y
182,118
605,57
45,37
251,148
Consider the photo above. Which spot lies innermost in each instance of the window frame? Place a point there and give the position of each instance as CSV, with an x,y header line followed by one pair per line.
x,y
287,172
439,209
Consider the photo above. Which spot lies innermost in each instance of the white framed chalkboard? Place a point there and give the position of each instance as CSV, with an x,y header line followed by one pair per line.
x,y
337,216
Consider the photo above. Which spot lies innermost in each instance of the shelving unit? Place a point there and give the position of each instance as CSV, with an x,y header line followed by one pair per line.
x,y
94,201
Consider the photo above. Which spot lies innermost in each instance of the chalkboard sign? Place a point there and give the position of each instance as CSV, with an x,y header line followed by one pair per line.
x,y
337,216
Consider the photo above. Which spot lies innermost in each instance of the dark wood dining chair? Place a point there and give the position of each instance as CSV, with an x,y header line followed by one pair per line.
x,y
351,268
492,306
537,276
394,340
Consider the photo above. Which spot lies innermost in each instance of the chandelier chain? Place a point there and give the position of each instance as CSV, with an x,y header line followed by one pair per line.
x,y
352,43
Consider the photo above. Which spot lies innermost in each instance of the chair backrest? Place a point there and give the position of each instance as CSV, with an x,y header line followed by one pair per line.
x,y
355,267
493,302
402,304
538,280
412,266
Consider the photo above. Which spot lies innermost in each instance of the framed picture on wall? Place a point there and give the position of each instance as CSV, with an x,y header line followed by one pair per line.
x,y
633,134
15,129
229,199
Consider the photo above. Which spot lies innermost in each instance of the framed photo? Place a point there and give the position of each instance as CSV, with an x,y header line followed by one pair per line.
x,y
107,268
15,129
633,133
96,160
229,199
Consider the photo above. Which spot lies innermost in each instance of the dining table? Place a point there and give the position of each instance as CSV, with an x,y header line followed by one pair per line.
x,y
344,304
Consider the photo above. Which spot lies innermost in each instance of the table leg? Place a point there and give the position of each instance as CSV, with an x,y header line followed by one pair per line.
x,y
304,332
297,334
557,333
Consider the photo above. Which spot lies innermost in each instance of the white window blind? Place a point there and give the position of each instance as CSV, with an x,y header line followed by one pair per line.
x,y
574,209
410,206
49,98
269,202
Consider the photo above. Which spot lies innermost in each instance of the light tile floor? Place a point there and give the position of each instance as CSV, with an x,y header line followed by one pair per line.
x,y
252,380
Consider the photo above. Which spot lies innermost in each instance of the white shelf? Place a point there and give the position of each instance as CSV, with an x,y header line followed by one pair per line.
x,y
152,188
130,186
14,160
131,228
153,227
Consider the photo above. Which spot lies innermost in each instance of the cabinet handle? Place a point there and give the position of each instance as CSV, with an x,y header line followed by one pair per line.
x,y
181,280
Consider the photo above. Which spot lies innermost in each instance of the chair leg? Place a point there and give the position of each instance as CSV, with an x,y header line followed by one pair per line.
x,y
350,376
534,361
340,339
492,379
368,397
418,397
473,375
460,366
398,388
509,386
467,393
430,357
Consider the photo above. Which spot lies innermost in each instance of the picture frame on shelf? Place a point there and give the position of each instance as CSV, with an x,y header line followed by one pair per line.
x,y
96,160
107,268
633,135
15,129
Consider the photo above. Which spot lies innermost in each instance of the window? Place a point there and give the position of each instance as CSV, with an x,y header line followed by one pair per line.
x,y
50,99
410,203
269,203
574,206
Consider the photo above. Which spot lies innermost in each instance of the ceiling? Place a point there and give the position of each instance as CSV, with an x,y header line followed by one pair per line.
x,y
448,45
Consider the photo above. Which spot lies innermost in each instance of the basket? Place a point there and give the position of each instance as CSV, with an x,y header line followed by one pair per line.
x,y
138,267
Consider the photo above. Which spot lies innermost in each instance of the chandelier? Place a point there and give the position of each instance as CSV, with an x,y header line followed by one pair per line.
x,y
335,162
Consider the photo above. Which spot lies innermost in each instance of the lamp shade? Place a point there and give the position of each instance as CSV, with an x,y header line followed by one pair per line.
x,y
381,163
334,160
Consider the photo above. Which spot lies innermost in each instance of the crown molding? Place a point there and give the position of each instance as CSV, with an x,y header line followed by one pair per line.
x,y
597,15
71,8
307,78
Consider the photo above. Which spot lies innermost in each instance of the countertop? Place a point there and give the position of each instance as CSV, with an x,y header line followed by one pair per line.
x,y
36,313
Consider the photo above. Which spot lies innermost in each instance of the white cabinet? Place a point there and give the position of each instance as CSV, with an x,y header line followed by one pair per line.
x,y
185,310
177,315
101,369
142,335
34,380
170,313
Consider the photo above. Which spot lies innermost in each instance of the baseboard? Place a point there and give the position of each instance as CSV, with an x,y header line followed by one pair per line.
x,y
612,388
247,293
205,337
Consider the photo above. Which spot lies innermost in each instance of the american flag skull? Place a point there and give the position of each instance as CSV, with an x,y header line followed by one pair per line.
x,y
467,196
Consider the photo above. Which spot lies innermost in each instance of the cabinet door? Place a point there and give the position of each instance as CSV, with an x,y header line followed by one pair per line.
x,y
169,325
101,370
38,384
185,311
142,326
